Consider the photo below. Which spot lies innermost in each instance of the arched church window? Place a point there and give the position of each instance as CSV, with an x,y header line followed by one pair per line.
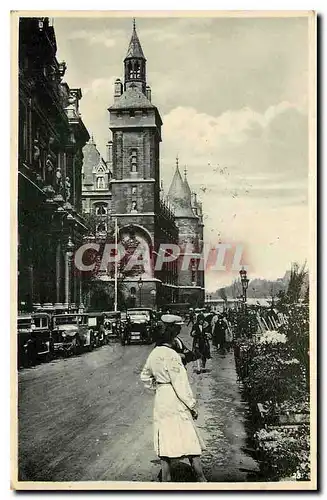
x,y
101,210
102,227
133,160
133,291
130,70
134,207
101,183
138,70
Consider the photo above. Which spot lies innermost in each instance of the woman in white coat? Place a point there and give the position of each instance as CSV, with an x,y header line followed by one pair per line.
x,y
175,434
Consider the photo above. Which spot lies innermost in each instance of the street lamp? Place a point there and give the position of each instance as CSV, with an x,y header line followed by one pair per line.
x,y
140,284
244,282
154,293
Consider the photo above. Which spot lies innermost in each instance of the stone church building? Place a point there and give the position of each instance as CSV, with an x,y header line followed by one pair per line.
x,y
127,187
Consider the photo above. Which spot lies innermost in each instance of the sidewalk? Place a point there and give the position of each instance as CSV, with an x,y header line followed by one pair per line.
x,y
222,416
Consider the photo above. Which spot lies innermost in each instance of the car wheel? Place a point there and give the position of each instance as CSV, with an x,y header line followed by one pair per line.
x,y
49,357
77,347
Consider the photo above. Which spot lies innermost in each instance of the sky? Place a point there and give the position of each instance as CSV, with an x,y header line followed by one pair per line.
x,y
233,97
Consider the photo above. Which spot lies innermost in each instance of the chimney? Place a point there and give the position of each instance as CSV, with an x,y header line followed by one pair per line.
x,y
118,89
148,92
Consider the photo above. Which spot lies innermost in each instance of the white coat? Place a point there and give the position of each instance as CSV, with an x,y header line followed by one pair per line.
x,y
175,434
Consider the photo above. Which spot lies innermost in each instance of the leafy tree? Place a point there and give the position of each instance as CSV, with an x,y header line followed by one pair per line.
x,y
223,294
297,288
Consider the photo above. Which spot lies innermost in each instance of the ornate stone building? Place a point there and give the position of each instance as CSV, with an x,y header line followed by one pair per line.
x,y
189,221
146,220
51,138
96,193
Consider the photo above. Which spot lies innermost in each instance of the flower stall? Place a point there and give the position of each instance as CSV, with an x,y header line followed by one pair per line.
x,y
273,370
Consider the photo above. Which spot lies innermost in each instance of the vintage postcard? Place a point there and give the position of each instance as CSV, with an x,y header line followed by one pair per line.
x,y
164,242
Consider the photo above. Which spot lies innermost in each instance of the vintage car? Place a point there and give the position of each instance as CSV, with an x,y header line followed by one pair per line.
x,y
34,338
112,324
71,334
98,330
141,326
25,347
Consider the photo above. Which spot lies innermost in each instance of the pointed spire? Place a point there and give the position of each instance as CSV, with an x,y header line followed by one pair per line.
x,y
134,48
187,186
179,196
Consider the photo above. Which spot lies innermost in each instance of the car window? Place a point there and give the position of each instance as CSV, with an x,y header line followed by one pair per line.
x,y
23,324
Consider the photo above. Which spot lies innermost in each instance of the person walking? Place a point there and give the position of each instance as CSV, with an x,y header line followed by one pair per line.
x,y
219,333
213,324
175,408
228,334
186,354
200,342
191,318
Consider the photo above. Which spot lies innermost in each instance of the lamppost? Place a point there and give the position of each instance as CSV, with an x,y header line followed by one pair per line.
x,y
154,293
68,268
244,283
140,284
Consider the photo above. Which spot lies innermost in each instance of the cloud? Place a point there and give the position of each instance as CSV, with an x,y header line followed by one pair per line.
x,y
233,126
238,143
233,97
250,171
105,38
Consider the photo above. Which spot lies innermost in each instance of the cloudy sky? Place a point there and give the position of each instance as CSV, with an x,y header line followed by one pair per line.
x,y
232,94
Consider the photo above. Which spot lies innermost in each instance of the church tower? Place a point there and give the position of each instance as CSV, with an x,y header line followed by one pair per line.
x,y
135,124
190,279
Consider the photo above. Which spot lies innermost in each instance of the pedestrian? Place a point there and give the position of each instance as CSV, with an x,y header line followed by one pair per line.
x,y
213,323
191,317
219,333
175,409
200,342
186,354
228,334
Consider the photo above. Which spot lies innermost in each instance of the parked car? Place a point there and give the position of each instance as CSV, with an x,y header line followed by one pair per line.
x,y
42,335
141,326
34,341
112,324
25,347
97,328
71,333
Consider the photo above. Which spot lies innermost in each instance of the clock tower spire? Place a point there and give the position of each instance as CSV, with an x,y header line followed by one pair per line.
x,y
135,64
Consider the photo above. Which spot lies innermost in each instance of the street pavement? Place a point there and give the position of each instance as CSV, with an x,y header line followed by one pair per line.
x,y
89,418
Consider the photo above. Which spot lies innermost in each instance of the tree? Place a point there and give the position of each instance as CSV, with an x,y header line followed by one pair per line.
x,y
92,279
223,295
297,288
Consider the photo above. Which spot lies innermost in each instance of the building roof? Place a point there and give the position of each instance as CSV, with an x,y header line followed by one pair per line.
x,y
187,186
92,162
134,48
132,98
179,196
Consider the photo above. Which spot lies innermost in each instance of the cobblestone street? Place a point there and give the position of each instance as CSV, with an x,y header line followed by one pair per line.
x,y
89,418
